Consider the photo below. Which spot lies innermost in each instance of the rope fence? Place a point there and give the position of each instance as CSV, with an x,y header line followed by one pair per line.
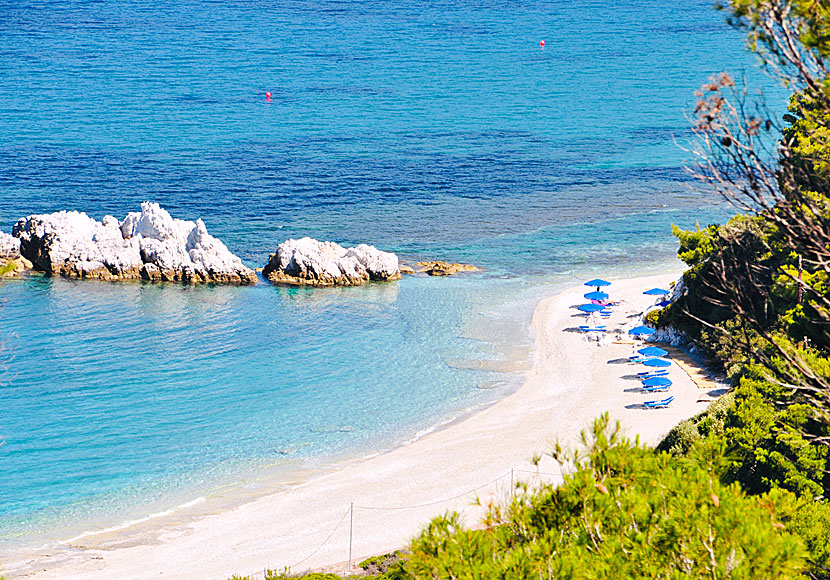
x,y
350,512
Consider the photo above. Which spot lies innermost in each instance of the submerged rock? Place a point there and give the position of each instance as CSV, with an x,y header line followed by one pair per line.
x,y
149,244
439,268
310,262
11,267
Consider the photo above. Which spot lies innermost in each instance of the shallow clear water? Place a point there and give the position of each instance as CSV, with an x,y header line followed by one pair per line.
x,y
435,130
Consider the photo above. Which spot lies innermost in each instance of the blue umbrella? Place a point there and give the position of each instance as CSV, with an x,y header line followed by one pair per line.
x,y
653,351
596,295
657,382
597,282
590,307
641,331
656,292
657,362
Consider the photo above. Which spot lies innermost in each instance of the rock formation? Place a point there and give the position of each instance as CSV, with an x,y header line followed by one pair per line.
x,y
149,244
11,262
310,262
9,247
438,268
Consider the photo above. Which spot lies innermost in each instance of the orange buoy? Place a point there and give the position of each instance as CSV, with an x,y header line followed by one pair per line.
x,y
542,44
268,97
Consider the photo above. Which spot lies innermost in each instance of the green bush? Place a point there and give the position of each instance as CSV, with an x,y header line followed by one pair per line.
x,y
387,567
681,438
624,512
710,422
653,318
274,575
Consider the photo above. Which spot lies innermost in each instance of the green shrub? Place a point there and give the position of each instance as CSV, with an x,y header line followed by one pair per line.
x,y
387,567
710,422
654,318
624,512
274,575
681,438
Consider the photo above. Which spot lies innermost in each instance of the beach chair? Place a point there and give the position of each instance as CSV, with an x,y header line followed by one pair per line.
x,y
657,389
638,358
661,404
654,373
600,328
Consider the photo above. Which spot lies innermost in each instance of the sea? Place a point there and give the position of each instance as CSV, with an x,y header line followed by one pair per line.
x,y
544,142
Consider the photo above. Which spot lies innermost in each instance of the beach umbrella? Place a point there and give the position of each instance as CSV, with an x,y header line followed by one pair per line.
x,y
657,382
656,292
657,362
590,307
653,351
641,331
597,295
597,282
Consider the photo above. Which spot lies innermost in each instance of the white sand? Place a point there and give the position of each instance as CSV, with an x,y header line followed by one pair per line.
x,y
571,383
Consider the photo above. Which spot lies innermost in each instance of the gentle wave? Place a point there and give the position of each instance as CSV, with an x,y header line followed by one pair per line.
x,y
130,523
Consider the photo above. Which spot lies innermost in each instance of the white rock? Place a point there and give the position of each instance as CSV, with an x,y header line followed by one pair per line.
x,y
9,246
149,244
670,335
308,261
72,243
209,254
155,222
380,265
678,290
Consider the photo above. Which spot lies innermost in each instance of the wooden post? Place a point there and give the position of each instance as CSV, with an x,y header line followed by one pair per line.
x,y
351,530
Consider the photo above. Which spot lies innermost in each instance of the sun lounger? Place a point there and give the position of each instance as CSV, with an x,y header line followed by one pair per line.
x,y
593,329
638,358
655,373
657,389
659,404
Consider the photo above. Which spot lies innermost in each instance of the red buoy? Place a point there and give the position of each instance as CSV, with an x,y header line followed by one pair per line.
x,y
268,97
542,44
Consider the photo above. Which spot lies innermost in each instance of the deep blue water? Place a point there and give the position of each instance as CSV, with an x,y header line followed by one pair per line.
x,y
435,130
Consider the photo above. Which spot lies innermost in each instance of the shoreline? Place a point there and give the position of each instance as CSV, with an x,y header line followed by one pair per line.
x,y
396,492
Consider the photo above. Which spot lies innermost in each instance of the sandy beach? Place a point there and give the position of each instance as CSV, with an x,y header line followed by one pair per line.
x,y
387,498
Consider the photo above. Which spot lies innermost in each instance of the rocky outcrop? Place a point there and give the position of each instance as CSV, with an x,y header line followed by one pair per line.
x,y
310,262
672,336
149,244
669,334
11,267
678,290
9,247
438,268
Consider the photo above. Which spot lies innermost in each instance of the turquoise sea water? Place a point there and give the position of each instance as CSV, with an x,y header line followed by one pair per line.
x,y
435,130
